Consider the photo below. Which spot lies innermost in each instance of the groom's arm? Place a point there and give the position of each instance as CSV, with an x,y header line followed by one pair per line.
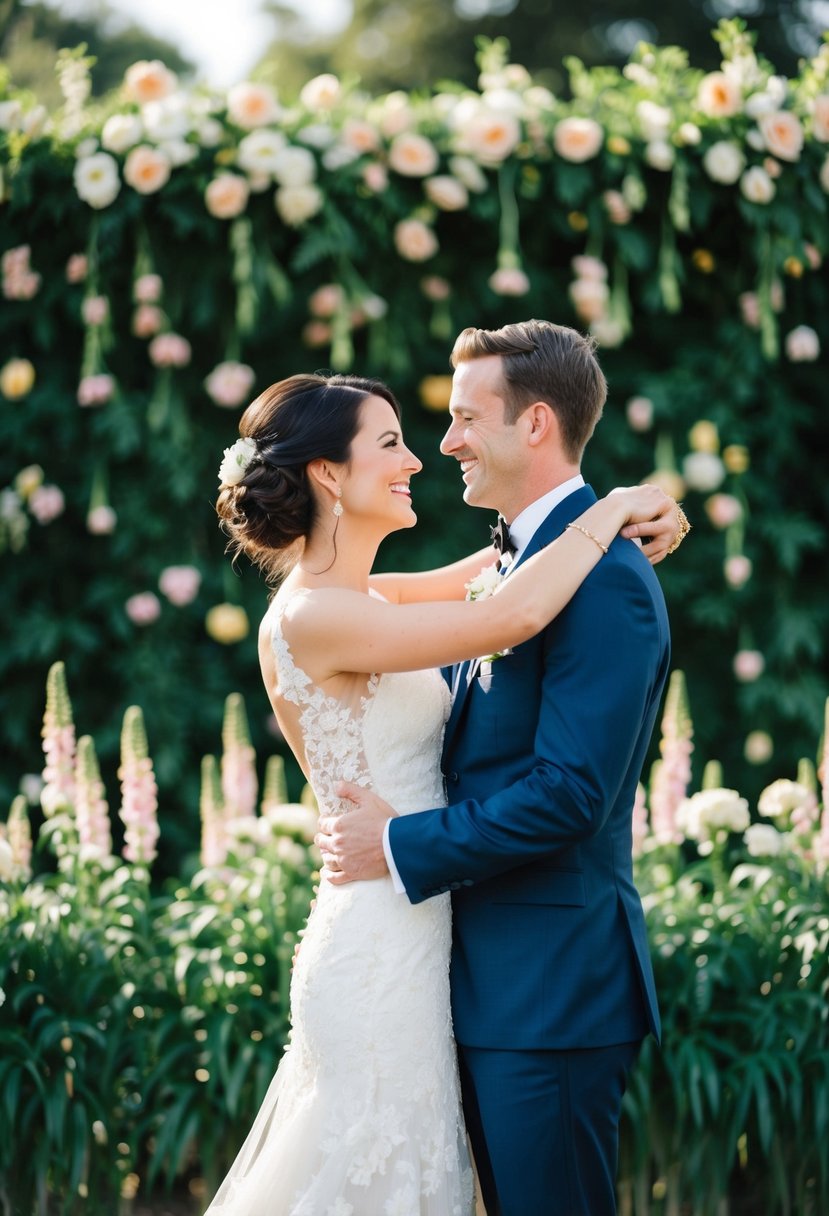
x,y
605,664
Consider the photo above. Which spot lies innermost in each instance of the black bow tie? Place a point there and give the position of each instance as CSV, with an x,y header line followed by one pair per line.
x,y
501,538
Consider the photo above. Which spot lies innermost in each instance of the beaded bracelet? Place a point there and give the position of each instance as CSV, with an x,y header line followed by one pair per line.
x,y
579,528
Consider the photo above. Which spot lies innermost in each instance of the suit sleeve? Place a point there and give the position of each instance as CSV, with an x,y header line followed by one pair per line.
x,y
603,660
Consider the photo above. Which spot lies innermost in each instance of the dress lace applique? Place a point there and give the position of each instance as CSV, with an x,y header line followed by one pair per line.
x,y
363,1117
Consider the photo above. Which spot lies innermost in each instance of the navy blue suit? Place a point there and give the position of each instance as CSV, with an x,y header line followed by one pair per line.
x,y
552,987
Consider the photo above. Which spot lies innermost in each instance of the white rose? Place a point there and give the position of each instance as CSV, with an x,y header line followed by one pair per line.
x,y
235,462
689,134
96,179
167,119
446,192
413,155
762,840
703,471
484,584
294,167
503,100
654,120
724,162
469,172
757,186
122,131
321,93
178,151
209,132
802,345
338,156
259,151
317,135
754,139
296,204
660,155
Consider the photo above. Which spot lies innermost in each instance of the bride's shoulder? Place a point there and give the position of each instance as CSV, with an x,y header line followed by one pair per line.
x,y
307,609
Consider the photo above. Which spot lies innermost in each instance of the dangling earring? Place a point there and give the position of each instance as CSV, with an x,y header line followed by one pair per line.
x,y
337,508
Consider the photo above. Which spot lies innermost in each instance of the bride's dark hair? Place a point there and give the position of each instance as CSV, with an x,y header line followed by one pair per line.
x,y
272,509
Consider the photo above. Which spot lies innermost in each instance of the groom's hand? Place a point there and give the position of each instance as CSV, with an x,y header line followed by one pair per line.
x,y
352,844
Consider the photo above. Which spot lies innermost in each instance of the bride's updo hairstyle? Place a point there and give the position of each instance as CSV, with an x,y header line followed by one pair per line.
x,y
269,512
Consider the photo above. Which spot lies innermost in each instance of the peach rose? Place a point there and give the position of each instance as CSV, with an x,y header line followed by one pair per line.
x,y
252,105
146,169
415,241
149,80
326,300
820,118
578,139
757,186
446,192
782,133
360,136
321,93
147,321
413,155
489,136
723,510
718,96
227,196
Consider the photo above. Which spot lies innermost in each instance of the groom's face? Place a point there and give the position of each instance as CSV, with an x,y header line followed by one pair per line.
x,y
492,454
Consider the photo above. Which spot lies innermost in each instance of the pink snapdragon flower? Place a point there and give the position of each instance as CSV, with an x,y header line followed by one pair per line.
x,y
180,584
46,503
58,744
91,807
213,840
239,782
95,310
139,792
143,608
96,390
673,775
19,836
170,350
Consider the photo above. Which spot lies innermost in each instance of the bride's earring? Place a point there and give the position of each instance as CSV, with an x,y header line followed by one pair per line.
x,y
337,508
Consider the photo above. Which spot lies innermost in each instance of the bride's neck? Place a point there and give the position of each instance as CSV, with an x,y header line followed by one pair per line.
x,y
341,558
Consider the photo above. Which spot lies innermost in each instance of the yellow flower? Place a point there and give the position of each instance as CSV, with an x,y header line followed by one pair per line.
x,y
618,145
578,221
227,623
17,379
435,392
736,458
793,267
703,436
704,261
28,480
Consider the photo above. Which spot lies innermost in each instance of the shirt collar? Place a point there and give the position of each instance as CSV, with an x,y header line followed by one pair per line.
x,y
526,524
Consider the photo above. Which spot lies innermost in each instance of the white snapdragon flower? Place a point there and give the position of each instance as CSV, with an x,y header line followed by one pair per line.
x,y
762,840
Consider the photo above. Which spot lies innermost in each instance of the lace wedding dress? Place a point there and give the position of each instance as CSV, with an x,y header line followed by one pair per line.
x,y
363,1116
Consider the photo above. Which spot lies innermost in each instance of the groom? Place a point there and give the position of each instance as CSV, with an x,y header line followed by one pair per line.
x,y
552,988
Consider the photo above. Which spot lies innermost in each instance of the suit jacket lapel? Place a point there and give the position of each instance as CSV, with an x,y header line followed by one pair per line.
x,y
555,523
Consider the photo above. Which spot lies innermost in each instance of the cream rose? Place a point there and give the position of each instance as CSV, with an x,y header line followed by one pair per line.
x,y
413,155
820,118
227,196
719,96
321,93
229,384
490,136
167,119
149,80
252,105
259,152
121,132
469,172
146,169
415,241
296,204
802,345
446,192
96,179
578,139
724,162
757,186
782,133
509,281
295,167
660,155
762,840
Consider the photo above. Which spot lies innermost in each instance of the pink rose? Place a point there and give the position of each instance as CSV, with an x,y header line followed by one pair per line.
x,y
782,133
147,320
509,281
435,288
317,333
748,665
375,177
578,139
143,608
639,411
147,289
101,520
77,268
46,503
723,510
227,195
415,241
147,169
95,390
326,300
180,584
737,570
95,310
169,350
229,384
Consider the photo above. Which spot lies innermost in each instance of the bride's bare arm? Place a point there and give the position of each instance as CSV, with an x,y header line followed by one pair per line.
x,y
444,583
346,631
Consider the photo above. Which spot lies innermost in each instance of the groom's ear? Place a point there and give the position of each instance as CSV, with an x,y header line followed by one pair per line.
x,y
541,424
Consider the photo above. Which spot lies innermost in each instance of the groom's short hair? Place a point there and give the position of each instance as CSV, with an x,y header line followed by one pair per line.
x,y
544,362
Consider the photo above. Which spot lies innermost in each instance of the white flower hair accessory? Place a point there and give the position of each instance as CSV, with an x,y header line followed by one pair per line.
x,y
236,461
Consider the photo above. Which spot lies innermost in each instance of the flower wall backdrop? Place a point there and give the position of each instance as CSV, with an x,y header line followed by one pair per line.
x,y
168,254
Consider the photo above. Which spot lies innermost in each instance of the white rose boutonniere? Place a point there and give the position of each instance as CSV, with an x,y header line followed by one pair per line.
x,y
481,587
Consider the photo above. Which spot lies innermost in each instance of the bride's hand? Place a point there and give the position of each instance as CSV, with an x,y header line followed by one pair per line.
x,y
654,515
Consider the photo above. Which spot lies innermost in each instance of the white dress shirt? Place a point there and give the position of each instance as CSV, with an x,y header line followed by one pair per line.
x,y
522,529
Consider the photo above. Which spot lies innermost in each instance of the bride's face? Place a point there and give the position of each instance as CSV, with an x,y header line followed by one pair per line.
x,y
380,467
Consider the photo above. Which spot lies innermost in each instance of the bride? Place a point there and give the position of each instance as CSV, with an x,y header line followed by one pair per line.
x,y
363,1117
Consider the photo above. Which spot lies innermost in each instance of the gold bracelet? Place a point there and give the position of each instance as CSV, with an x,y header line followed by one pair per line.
x,y
579,528
684,529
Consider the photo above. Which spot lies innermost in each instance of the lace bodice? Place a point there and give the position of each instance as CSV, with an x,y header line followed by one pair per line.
x,y
390,741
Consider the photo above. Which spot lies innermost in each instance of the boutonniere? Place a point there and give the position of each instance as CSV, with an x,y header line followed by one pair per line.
x,y
481,587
